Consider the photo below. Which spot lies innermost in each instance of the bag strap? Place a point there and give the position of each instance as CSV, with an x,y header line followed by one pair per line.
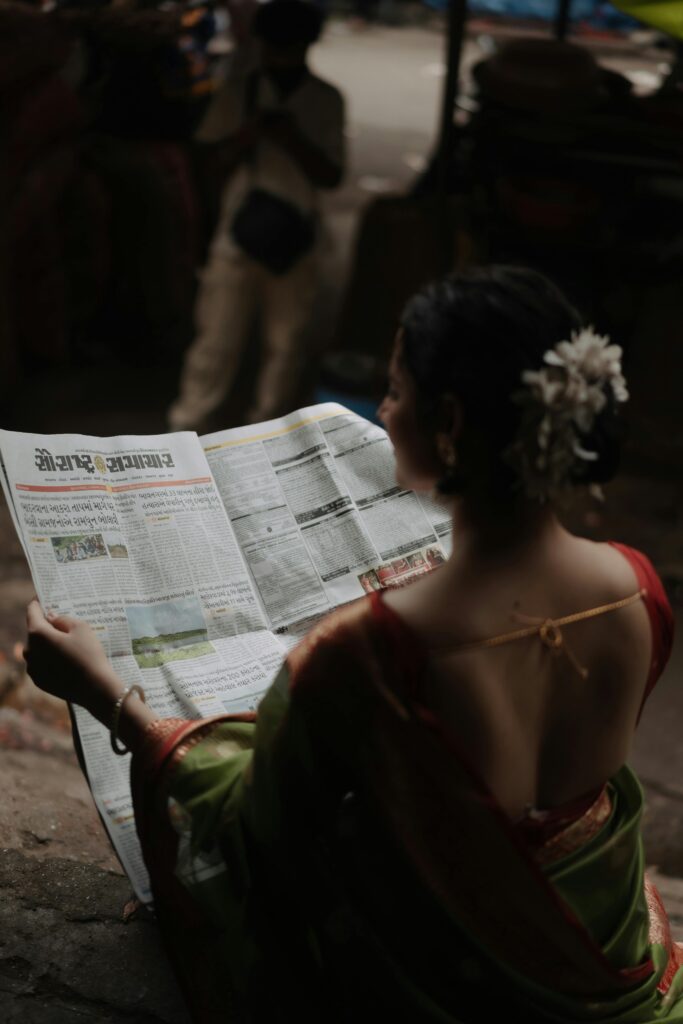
x,y
251,93
251,89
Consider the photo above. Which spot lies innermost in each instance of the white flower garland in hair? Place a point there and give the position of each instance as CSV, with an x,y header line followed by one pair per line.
x,y
561,403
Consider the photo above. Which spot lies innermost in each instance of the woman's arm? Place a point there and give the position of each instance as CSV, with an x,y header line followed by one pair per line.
x,y
65,658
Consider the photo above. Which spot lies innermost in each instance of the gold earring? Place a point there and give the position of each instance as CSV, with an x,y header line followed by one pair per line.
x,y
446,450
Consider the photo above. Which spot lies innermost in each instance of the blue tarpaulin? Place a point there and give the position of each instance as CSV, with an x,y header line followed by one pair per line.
x,y
596,13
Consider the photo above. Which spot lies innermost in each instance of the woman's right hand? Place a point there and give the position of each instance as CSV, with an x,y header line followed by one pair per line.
x,y
64,657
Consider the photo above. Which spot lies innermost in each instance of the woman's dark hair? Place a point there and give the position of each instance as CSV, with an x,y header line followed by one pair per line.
x,y
472,335
288,23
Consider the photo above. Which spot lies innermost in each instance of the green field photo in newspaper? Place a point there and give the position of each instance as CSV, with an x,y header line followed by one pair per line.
x,y
157,636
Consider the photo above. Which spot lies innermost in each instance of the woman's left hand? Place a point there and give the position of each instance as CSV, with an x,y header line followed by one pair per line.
x,y
64,657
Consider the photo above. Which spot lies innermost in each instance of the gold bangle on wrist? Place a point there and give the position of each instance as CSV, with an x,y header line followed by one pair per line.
x,y
116,746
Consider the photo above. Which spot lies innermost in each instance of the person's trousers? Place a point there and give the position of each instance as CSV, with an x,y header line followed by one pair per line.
x,y
234,292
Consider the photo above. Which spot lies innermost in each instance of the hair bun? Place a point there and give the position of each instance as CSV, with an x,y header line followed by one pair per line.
x,y
539,413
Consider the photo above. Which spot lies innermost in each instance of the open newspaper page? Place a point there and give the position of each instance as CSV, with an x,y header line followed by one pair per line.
x,y
317,512
200,568
130,534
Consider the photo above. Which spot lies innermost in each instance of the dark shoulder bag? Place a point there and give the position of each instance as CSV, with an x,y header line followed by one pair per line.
x,y
269,229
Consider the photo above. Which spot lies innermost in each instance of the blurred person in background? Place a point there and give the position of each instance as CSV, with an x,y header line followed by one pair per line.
x,y
275,136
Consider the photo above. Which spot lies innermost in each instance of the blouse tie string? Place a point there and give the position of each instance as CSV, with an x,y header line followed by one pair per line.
x,y
549,631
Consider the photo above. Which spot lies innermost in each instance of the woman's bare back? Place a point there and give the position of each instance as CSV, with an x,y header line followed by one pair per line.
x,y
537,731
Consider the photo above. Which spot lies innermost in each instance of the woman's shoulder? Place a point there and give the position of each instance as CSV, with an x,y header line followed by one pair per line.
x,y
657,604
339,635
634,565
642,568
605,575
602,572
606,568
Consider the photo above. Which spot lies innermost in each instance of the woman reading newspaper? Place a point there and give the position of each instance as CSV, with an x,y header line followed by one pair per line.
x,y
430,818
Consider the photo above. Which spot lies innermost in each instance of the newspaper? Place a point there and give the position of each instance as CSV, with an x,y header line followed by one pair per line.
x,y
200,562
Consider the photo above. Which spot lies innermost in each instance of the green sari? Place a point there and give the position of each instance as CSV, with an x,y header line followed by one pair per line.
x,y
336,859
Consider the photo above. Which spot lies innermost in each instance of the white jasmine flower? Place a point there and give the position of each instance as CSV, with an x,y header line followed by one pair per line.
x,y
562,401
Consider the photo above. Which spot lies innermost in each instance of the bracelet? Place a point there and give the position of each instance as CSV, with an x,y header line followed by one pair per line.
x,y
116,745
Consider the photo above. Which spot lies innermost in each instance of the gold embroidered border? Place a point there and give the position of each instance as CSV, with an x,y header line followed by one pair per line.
x,y
576,835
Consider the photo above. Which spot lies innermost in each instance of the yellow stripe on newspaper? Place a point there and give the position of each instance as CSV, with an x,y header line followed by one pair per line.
x,y
273,433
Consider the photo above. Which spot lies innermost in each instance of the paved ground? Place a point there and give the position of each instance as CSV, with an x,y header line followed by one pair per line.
x,y
69,951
